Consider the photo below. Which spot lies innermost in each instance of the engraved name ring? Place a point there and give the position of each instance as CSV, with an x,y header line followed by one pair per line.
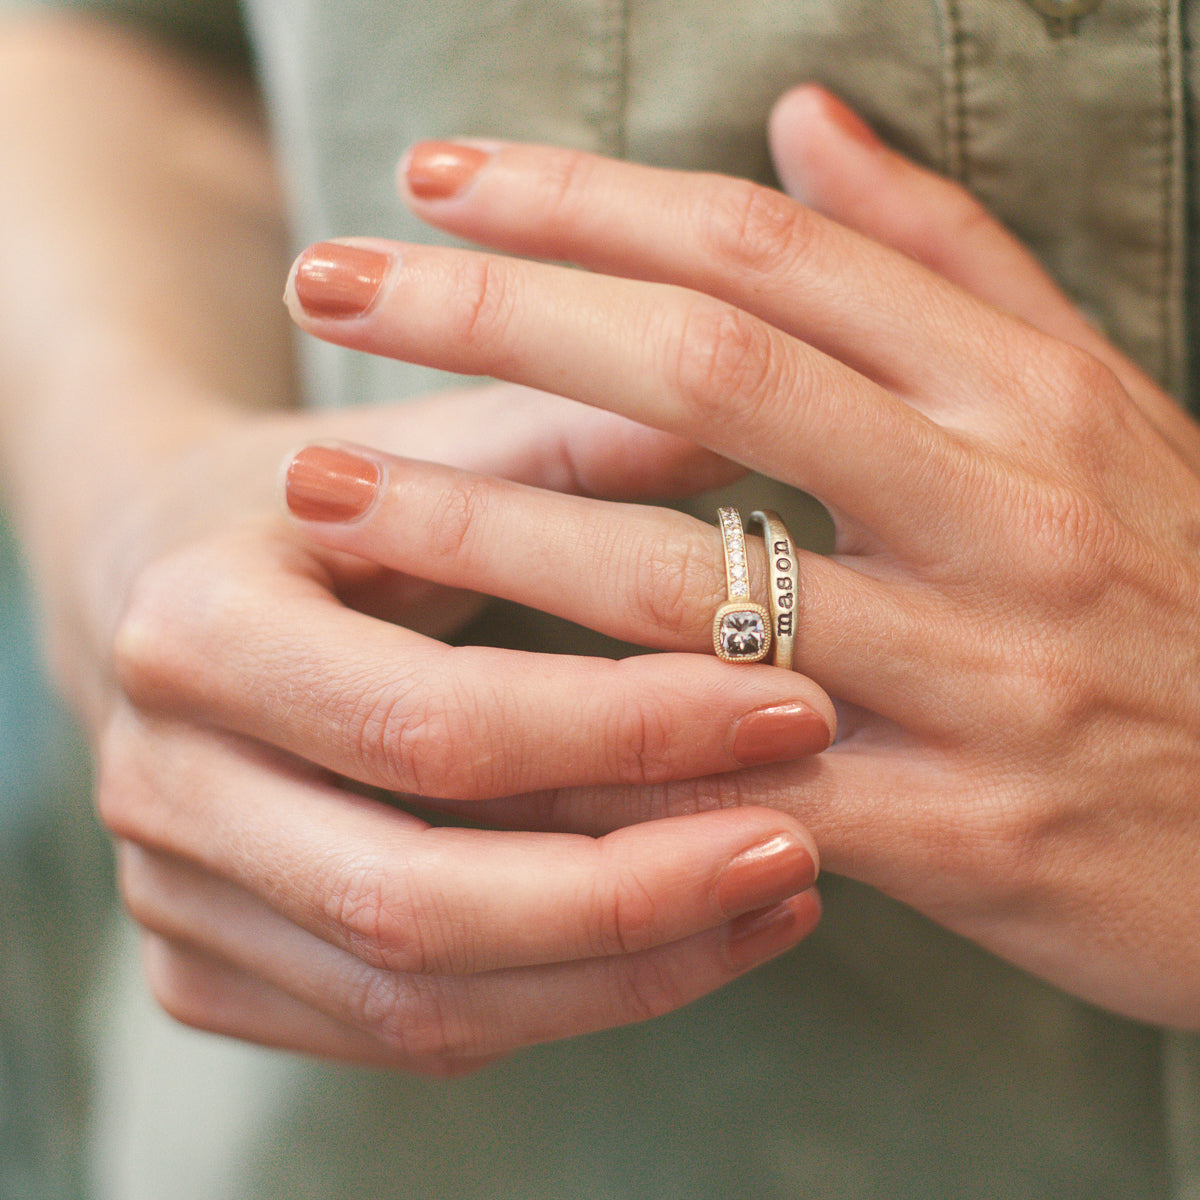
x,y
783,583
741,628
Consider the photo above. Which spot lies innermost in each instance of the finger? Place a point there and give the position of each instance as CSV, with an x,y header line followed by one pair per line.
x,y
671,358
206,992
874,807
331,1004
854,299
827,157
534,437
643,574
202,991
403,897
386,706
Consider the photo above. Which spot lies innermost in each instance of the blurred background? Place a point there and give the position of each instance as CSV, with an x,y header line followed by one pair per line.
x,y
56,897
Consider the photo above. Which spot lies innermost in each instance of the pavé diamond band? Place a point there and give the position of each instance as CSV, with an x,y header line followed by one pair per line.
x,y
741,628
783,585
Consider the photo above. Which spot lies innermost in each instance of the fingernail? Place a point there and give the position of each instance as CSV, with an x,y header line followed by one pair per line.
x,y
333,280
325,483
765,874
848,121
759,936
781,732
440,170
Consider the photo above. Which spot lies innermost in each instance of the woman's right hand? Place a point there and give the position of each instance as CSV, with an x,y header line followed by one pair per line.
x,y
240,676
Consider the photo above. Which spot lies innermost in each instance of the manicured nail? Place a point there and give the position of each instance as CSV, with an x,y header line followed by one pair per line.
x,y
759,936
781,732
440,170
325,483
333,280
765,874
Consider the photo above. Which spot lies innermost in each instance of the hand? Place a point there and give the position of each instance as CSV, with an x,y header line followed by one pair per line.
x,y
1009,621
248,684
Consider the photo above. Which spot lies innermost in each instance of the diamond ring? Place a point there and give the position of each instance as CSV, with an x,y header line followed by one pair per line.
x,y
741,628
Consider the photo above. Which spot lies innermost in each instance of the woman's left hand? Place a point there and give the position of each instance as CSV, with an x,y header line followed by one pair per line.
x,y
1010,617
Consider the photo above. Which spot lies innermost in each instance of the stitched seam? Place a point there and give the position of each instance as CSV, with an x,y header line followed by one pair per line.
x,y
618,91
621,99
1164,65
955,105
1172,366
612,37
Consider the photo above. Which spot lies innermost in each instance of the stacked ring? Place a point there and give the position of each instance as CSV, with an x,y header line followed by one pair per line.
x,y
741,628
783,584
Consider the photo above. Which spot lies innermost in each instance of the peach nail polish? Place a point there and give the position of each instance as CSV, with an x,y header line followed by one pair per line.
x,y
325,483
765,874
333,280
440,170
781,732
759,936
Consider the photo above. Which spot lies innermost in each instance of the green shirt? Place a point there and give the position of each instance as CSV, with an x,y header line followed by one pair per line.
x,y
885,1058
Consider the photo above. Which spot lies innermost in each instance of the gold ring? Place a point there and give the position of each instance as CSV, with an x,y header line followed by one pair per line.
x,y
741,628
783,584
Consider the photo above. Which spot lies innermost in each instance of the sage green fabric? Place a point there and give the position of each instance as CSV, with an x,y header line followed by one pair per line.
x,y
1075,139
885,1058
209,27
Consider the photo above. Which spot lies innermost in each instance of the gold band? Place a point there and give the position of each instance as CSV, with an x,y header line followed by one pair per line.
x,y
783,584
741,628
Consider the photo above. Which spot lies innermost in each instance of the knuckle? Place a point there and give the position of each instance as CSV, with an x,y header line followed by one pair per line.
x,y
151,653
484,297
377,915
627,915
648,986
396,734
423,742
567,180
642,741
1004,845
725,362
1071,544
463,507
387,1006
1053,698
676,583
1080,391
755,228
412,1021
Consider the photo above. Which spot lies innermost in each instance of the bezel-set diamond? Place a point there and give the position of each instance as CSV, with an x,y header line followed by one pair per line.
x,y
741,632
741,628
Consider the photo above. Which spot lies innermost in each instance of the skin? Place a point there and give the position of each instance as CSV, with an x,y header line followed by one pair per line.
x,y
1008,619
1010,759
239,681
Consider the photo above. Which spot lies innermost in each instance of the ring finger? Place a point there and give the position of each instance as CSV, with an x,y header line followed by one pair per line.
x,y
648,575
